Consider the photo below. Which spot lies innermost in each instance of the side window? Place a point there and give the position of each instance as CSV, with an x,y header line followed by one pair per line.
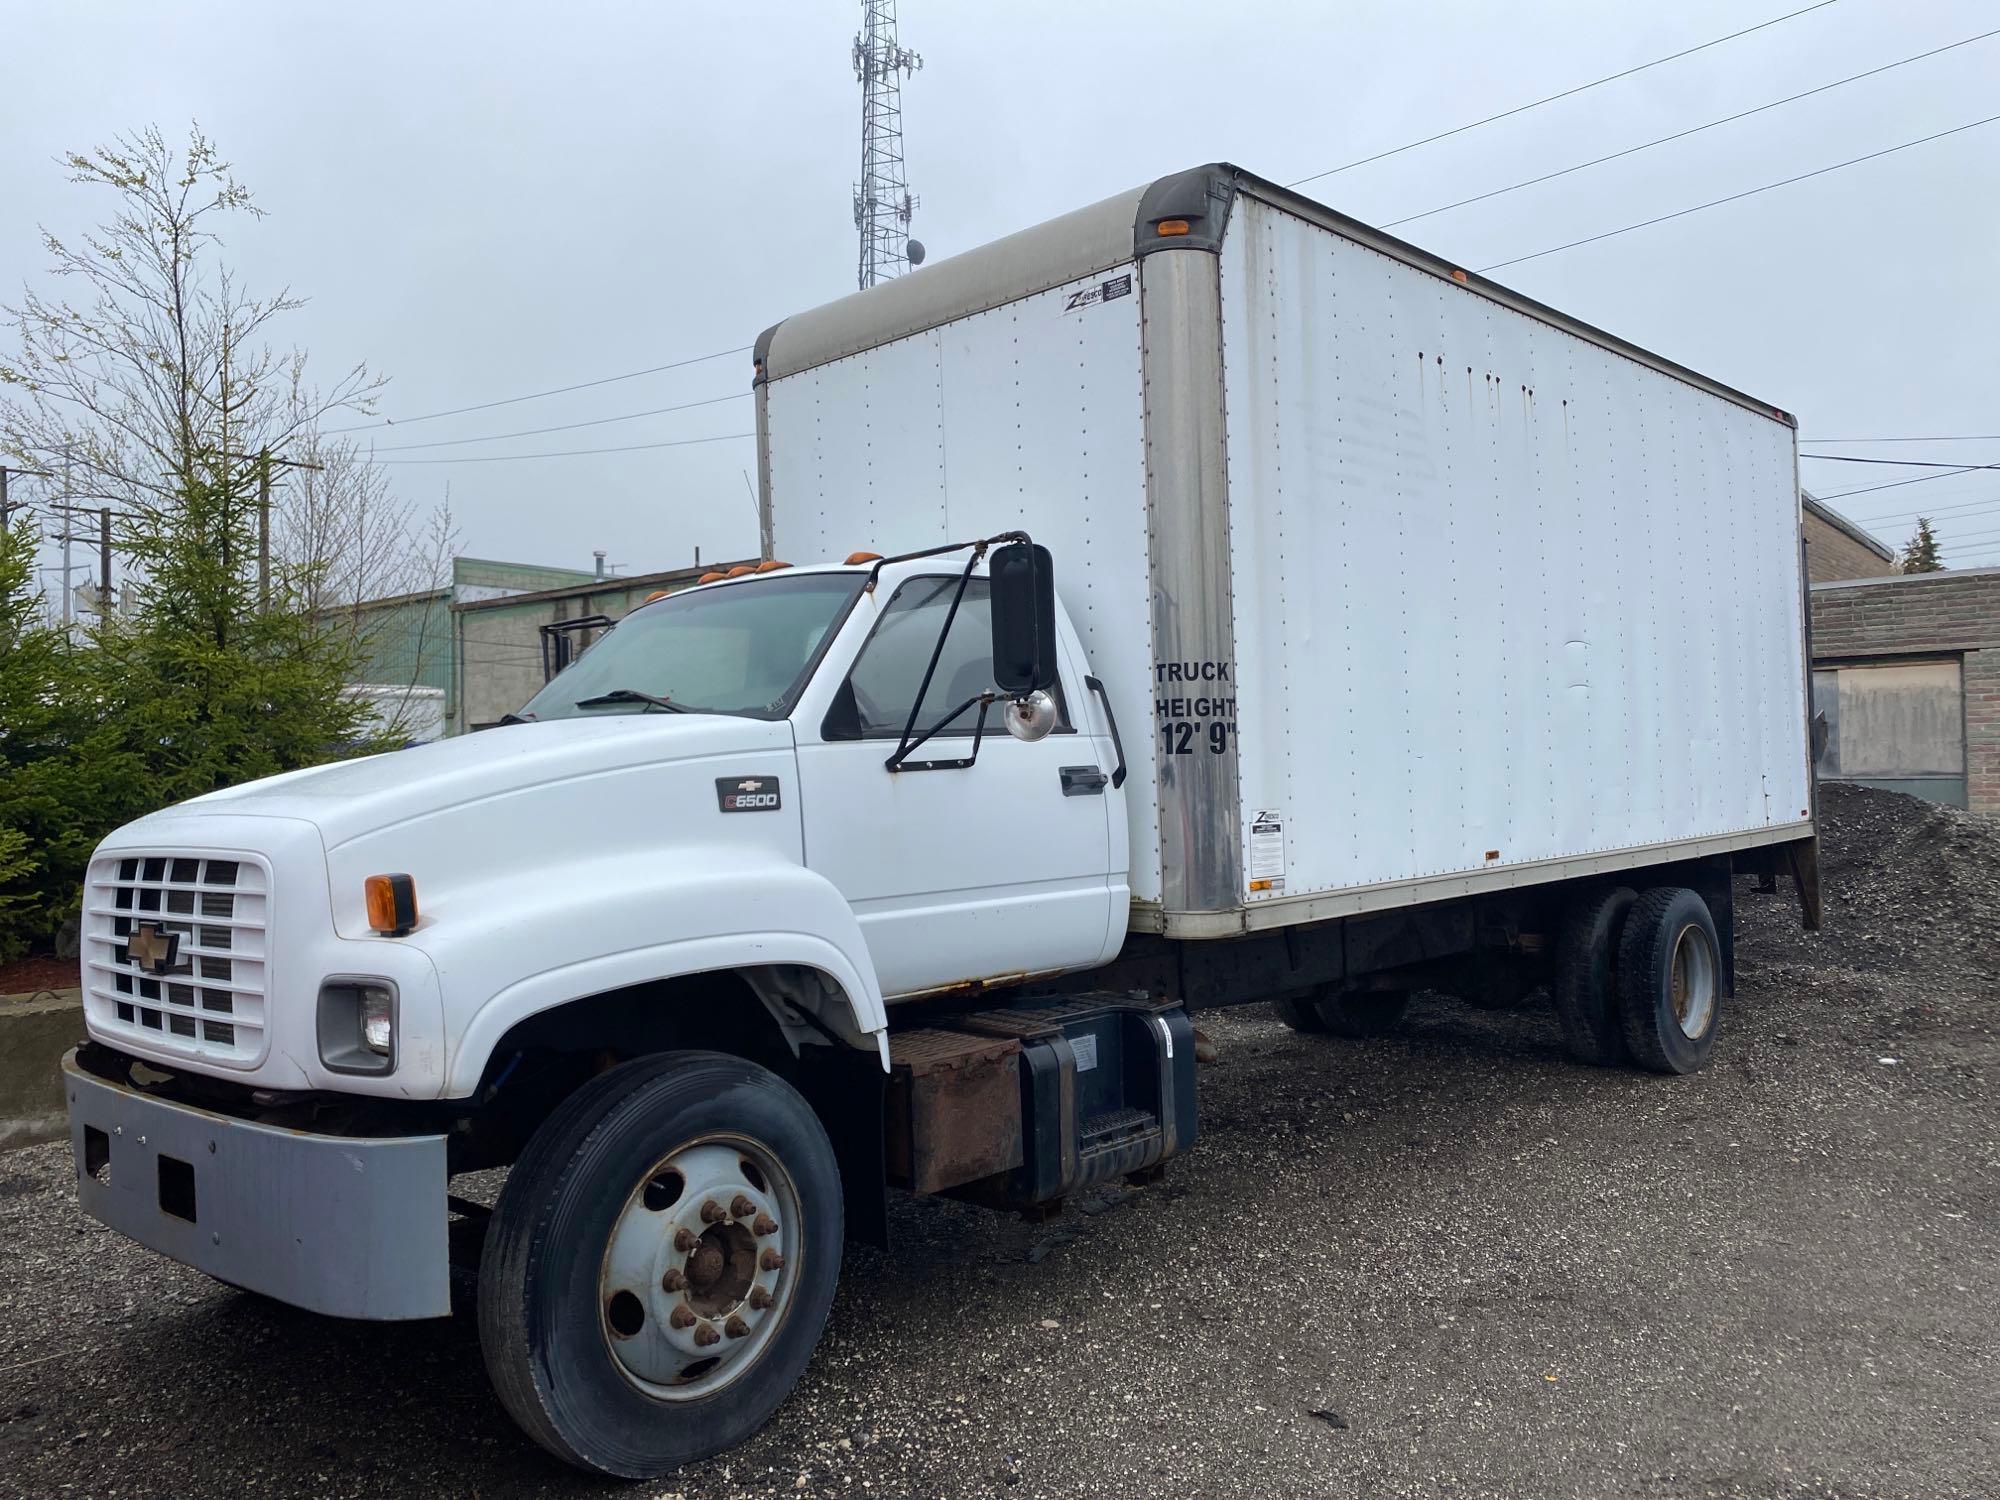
x,y
885,677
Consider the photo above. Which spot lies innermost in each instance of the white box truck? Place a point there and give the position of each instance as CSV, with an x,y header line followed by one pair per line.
x,y
1199,599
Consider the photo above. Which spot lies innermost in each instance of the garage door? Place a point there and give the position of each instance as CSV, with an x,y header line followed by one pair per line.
x,y
1896,725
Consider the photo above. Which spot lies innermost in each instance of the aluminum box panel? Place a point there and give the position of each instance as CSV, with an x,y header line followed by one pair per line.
x,y
1503,596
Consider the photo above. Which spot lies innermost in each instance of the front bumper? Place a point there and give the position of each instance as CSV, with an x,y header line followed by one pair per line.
x,y
349,1226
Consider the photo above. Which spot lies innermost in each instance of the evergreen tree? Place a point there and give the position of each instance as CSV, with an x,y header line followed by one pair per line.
x,y
1920,554
157,390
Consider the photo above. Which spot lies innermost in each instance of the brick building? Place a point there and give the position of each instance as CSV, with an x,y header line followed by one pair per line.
x,y
1907,671
1837,548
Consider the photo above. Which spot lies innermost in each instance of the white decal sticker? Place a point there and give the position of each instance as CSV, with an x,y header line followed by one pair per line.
x,y
1267,854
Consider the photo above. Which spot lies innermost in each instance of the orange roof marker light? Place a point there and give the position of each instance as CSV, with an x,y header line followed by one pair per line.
x,y
1171,226
856,558
739,570
657,594
771,565
711,578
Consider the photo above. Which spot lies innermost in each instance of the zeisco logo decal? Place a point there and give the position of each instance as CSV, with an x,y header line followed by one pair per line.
x,y
747,793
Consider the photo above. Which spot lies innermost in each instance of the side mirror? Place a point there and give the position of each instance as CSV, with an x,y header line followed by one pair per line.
x,y
1022,588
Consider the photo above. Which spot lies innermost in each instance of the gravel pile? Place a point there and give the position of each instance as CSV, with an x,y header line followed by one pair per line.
x,y
1908,885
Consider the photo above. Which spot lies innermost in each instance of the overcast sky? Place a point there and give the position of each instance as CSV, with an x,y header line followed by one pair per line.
x,y
487,199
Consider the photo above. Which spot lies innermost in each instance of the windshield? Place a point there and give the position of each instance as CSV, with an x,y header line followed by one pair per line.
x,y
744,648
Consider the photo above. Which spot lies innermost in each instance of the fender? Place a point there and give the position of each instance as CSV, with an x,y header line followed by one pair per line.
x,y
532,939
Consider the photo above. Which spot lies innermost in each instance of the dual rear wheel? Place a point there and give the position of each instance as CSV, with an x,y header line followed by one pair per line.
x,y
1638,978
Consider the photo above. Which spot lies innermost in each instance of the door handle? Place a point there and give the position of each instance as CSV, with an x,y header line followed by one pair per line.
x,y
1083,781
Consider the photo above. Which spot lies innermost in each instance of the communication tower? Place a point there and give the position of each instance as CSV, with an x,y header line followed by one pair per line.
x,y
883,205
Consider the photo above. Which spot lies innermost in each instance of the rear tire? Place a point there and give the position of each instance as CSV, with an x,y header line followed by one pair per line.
x,y
1670,981
1297,1012
582,1279
1360,1013
1585,991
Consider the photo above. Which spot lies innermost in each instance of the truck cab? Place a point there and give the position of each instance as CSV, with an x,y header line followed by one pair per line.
x,y
705,859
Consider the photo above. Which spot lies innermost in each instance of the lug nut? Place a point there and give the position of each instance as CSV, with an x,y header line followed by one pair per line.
x,y
682,1316
712,1212
684,1240
675,1280
765,1225
736,1328
759,1299
706,1335
770,1260
742,1207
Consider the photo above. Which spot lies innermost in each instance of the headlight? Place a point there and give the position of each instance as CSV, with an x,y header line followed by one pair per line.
x,y
357,1025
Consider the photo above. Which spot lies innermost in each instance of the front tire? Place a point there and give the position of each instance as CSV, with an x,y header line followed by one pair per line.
x,y
1670,981
660,1263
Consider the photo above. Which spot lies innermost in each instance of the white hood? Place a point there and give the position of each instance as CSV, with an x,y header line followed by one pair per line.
x,y
352,798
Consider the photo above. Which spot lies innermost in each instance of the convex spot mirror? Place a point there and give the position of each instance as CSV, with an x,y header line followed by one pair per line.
x,y
1022,588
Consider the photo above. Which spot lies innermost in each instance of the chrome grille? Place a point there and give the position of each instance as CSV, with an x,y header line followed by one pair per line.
x,y
209,1000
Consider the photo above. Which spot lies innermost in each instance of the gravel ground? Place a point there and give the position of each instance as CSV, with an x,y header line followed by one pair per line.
x,y
1447,1263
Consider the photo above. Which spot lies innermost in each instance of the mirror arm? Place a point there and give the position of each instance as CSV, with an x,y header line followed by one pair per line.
x,y
904,744
900,760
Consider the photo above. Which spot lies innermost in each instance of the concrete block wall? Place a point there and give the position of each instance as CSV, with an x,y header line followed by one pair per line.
x,y
1920,614
35,1031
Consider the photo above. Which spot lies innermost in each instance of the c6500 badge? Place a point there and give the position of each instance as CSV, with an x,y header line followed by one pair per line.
x,y
747,793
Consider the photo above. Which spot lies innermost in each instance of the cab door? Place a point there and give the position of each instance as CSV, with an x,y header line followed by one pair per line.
x,y
983,871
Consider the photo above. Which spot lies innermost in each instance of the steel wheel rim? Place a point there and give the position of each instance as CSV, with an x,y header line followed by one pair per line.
x,y
1691,981
700,1267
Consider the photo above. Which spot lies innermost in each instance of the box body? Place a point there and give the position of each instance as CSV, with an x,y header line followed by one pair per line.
x,y
1421,588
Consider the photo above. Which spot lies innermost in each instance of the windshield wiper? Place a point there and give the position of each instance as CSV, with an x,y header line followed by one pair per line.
x,y
517,718
630,695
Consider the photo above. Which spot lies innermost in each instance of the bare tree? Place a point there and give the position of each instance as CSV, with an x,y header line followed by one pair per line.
x,y
157,375
359,539
351,541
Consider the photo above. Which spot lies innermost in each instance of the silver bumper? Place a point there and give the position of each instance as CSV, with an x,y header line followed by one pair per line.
x,y
346,1226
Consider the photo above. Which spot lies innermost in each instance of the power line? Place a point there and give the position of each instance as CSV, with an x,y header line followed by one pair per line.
x,y
501,458
1684,134
1901,463
1984,502
1986,437
1896,484
1552,98
494,437
561,390
1853,161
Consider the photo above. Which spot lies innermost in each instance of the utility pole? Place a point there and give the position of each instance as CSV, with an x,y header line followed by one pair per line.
x,y
103,541
68,613
263,530
6,505
265,463
882,202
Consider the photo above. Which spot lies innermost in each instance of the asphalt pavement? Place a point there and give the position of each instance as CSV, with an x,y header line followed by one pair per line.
x,y
1444,1263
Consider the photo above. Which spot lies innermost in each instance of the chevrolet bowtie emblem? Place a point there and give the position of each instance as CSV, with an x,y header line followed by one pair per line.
x,y
152,950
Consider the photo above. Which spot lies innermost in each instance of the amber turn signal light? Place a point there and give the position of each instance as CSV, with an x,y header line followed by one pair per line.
x,y
392,904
